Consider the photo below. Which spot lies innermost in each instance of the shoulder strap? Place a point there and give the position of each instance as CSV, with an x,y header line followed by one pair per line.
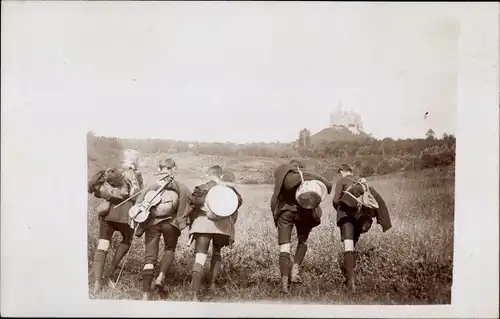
x,y
364,184
301,174
354,182
360,181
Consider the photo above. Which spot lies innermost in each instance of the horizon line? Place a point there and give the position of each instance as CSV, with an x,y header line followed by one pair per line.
x,y
247,143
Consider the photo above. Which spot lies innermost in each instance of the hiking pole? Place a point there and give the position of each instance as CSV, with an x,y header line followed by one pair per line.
x,y
126,258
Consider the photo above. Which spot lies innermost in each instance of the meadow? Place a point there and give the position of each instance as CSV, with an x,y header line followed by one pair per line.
x,y
409,264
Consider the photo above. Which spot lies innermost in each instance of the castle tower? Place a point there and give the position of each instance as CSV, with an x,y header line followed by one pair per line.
x,y
346,118
336,117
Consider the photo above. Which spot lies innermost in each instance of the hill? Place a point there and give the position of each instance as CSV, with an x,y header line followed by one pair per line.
x,y
331,134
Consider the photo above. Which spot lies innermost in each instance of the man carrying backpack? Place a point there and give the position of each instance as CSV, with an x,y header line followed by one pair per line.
x,y
288,213
356,204
206,227
167,219
114,186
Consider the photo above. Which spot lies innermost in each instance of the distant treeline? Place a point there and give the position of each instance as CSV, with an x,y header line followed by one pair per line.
x,y
368,156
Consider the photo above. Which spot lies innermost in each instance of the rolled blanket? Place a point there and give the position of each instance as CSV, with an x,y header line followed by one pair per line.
x,y
114,177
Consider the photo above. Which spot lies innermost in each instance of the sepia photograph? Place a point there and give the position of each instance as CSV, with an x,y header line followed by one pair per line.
x,y
250,159
309,158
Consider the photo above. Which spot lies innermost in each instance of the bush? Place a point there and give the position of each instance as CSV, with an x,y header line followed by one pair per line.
x,y
228,177
251,181
366,170
437,155
383,168
397,164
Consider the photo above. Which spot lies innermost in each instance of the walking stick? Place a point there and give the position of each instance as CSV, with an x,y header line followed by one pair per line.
x,y
126,258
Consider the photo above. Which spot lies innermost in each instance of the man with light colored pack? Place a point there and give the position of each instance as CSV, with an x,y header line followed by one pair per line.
x,y
213,217
114,186
295,202
356,204
167,219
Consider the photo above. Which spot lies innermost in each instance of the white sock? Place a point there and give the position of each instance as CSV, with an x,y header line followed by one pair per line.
x,y
348,245
103,244
285,248
200,258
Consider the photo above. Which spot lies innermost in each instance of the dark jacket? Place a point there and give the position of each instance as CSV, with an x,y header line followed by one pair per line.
x,y
343,210
283,197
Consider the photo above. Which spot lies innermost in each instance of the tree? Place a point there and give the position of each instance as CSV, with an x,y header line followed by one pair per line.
x,y
388,146
304,139
430,134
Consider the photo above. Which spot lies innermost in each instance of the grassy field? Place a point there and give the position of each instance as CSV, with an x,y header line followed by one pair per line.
x,y
409,264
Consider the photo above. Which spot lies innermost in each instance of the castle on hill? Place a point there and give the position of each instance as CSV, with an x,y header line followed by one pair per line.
x,y
343,119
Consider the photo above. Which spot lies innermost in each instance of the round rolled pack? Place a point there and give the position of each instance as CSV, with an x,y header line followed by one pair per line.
x,y
310,194
221,200
114,177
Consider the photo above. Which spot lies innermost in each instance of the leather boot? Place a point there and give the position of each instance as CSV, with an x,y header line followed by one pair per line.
x,y
197,281
119,254
349,264
284,284
295,275
215,268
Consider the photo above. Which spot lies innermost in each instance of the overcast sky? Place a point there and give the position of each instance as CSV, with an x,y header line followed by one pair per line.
x,y
241,72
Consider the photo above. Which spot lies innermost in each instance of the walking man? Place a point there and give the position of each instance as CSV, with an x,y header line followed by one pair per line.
x,y
287,213
206,228
114,186
355,217
167,219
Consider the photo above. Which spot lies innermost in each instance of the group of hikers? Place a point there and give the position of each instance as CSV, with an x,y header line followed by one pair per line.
x,y
166,206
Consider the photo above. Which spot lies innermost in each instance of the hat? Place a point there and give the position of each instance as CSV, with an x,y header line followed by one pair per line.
x,y
221,200
310,194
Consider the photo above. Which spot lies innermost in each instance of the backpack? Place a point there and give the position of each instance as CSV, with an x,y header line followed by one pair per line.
x,y
115,177
366,199
201,193
113,181
95,182
134,179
